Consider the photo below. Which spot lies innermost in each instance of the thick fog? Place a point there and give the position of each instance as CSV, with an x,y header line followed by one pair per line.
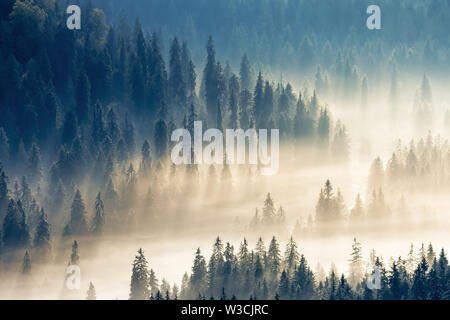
x,y
377,133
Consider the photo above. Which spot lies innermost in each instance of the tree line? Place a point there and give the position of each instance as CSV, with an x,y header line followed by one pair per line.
x,y
231,274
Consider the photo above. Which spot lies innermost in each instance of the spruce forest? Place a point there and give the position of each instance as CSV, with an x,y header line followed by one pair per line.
x,y
92,205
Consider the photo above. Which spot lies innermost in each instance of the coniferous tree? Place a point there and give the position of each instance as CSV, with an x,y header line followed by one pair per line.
x,y
274,260
234,106
128,137
177,84
357,212
258,99
112,128
77,224
323,129
198,280
161,139
268,106
139,287
74,257
4,198
245,73
188,70
153,283
268,211
304,281
157,79
291,256
15,230
215,269
4,148
145,161
91,294
303,122
283,289
42,241
25,194
211,82
98,222
34,164
26,265
419,286
356,271
69,129
82,97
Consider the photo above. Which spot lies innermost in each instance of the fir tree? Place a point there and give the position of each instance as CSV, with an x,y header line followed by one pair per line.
x,y
15,230
4,198
356,270
291,256
82,97
91,294
77,224
145,161
419,286
34,164
98,221
153,283
42,241
26,265
74,257
198,280
245,73
140,278
211,82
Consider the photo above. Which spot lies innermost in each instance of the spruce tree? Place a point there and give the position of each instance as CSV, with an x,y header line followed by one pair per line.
x,y
145,161
26,265
357,212
139,287
211,82
4,198
234,91
74,256
177,84
91,294
283,289
34,164
82,97
42,241
303,122
4,148
245,73
258,99
291,256
15,230
161,139
419,286
356,271
77,224
198,280
153,283
98,222
268,210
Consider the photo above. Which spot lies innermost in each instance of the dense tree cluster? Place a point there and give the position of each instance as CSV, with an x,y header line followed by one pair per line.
x,y
297,35
75,104
271,219
267,274
418,166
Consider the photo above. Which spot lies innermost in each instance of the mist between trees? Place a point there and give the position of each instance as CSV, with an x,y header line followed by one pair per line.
x,y
85,127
